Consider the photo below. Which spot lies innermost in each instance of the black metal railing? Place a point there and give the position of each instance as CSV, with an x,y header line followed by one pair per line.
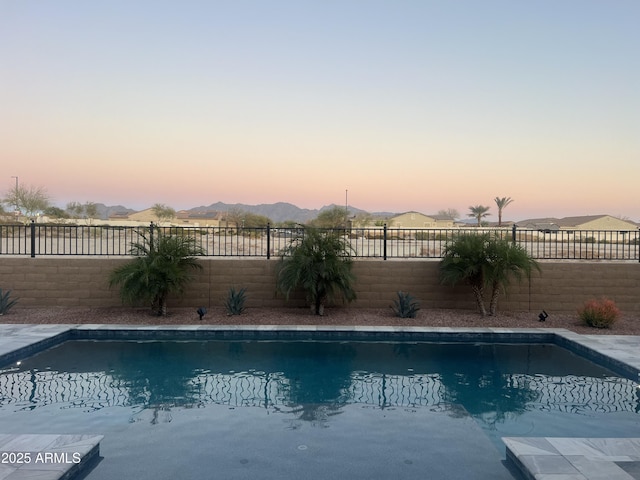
x,y
369,242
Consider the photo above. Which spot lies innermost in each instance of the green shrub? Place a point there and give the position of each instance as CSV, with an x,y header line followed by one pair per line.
x,y
320,264
483,261
235,301
406,306
162,267
5,301
599,313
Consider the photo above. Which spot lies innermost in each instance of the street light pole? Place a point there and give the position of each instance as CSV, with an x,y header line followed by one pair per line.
x,y
346,209
346,201
16,193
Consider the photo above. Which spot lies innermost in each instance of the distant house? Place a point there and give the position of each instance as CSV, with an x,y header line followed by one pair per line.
x,y
585,222
588,228
505,224
419,220
541,224
204,218
144,216
119,216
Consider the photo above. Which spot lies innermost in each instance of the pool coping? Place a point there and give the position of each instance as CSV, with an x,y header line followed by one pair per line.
x,y
616,352
47,456
561,458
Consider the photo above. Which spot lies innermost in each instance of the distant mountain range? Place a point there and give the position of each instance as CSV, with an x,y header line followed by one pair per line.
x,y
104,211
277,212
281,211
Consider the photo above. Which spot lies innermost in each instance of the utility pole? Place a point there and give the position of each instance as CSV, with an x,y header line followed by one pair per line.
x,y
16,194
346,209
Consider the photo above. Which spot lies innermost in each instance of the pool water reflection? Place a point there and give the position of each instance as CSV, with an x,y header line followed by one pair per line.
x,y
350,400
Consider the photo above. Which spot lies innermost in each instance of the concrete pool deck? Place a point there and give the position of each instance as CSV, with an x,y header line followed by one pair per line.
x,y
537,458
46,457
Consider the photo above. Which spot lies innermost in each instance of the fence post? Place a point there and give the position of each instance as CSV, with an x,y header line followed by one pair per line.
x,y
33,239
268,241
384,242
151,236
513,233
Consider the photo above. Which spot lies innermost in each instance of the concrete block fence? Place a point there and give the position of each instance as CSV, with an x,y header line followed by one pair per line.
x,y
562,286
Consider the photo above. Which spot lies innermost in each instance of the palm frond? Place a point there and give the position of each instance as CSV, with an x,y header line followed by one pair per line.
x,y
320,264
162,267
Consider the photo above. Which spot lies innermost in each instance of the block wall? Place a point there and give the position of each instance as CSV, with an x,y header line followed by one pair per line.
x,y
560,287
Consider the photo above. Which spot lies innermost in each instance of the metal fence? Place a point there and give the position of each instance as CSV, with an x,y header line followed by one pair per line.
x,y
372,242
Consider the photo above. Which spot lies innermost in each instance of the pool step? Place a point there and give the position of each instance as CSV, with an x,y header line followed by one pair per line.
x,y
543,458
46,457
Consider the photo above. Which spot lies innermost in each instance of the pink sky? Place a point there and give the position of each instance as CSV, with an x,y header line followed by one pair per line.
x,y
424,107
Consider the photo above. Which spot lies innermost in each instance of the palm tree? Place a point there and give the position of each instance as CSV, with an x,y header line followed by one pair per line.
x,y
479,212
465,260
482,261
161,268
320,264
502,204
506,260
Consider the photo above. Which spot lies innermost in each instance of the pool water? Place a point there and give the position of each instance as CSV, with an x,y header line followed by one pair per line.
x,y
216,409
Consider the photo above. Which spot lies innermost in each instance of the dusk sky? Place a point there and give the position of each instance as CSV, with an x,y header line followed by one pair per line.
x,y
409,105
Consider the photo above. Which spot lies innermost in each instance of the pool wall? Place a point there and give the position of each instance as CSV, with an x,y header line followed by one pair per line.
x,y
601,351
559,287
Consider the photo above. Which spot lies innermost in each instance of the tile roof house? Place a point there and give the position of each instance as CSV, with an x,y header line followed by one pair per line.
x,y
419,220
145,216
205,218
584,222
119,216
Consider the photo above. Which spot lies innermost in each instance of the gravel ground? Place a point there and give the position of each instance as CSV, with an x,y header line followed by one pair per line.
x,y
626,325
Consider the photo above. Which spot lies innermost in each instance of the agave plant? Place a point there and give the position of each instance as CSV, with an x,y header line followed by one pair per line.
x,y
406,306
235,301
161,268
320,264
6,302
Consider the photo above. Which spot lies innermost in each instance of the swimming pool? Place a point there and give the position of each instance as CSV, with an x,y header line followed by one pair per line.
x,y
313,409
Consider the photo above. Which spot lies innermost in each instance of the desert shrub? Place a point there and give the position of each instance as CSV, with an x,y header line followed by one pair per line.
x,y
234,303
600,313
405,306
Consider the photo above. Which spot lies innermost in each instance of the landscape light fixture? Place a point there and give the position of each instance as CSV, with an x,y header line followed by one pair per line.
x,y
543,316
201,312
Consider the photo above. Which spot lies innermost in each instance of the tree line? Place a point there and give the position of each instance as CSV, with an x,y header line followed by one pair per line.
x,y
29,202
